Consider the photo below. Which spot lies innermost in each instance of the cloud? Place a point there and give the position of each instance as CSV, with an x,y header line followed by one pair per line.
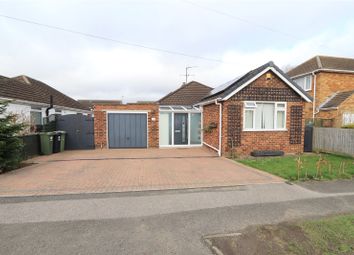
x,y
85,68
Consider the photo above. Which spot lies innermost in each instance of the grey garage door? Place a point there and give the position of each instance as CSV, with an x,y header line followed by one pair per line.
x,y
127,130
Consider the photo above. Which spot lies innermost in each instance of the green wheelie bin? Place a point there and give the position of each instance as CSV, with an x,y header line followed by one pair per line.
x,y
62,140
46,139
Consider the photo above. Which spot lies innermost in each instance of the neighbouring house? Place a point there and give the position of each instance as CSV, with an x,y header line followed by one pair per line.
x,y
330,81
259,111
173,121
180,121
338,110
29,99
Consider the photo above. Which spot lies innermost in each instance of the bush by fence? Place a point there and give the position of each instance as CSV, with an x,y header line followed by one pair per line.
x,y
335,140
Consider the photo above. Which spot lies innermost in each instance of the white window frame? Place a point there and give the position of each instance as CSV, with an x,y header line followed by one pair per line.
x,y
276,109
36,110
303,84
189,112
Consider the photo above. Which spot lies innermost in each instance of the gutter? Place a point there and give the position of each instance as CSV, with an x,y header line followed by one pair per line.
x,y
207,102
328,109
321,70
60,107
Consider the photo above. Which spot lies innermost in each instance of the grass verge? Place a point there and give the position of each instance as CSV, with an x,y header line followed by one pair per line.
x,y
331,235
334,167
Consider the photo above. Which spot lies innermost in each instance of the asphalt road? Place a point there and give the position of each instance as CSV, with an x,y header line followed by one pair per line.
x,y
153,223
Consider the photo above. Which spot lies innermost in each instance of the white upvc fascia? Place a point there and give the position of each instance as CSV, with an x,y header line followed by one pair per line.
x,y
329,109
246,84
209,101
322,69
25,102
259,75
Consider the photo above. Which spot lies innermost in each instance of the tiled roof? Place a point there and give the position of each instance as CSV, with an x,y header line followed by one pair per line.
x,y
337,99
227,88
188,94
323,62
28,89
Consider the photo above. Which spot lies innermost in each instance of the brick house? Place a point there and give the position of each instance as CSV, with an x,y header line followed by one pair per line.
x,y
173,121
261,110
330,81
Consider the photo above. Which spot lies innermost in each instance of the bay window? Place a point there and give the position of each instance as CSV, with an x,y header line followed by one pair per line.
x,y
264,116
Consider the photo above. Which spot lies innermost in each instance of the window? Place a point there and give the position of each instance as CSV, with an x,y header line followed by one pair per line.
x,y
36,118
165,129
264,116
304,82
195,128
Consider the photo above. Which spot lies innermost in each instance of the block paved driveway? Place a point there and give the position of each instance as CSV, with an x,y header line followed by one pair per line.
x,y
98,171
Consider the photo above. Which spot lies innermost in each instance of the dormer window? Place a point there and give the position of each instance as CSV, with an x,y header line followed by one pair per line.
x,y
304,82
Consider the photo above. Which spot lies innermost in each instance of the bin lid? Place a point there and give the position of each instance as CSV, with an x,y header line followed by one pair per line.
x,y
46,133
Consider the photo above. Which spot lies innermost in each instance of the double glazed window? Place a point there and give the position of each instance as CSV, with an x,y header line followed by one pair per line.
x,y
304,82
180,128
36,117
264,116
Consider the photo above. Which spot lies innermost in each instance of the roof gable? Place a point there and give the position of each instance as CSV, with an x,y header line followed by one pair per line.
x,y
188,94
29,89
323,63
238,84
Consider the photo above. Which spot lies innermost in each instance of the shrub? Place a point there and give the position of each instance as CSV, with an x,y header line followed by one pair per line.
x,y
10,144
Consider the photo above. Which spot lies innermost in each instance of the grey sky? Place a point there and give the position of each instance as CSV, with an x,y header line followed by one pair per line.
x,y
243,34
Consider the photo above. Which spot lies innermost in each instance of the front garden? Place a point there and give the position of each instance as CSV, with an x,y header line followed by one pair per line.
x,y
305,167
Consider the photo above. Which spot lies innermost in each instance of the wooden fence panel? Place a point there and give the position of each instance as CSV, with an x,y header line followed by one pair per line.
x,y
336,140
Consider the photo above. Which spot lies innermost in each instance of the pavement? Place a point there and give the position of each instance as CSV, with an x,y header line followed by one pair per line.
x,y
104,171
336,186
164,222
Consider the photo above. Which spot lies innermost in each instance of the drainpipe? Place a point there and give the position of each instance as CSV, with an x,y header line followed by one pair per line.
x,y
314,112
50,106
220,126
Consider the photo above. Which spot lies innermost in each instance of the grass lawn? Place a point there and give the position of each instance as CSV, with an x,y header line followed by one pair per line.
x,y
330,235
286,167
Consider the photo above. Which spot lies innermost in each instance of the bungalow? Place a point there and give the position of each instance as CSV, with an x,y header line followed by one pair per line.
x,y
30,98
261,110
173,121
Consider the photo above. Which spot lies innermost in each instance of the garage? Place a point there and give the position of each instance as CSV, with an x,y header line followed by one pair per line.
x,y
127,130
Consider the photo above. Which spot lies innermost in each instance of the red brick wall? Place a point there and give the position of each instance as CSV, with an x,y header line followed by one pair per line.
x,y
100,121
256,140
211,115
328,83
